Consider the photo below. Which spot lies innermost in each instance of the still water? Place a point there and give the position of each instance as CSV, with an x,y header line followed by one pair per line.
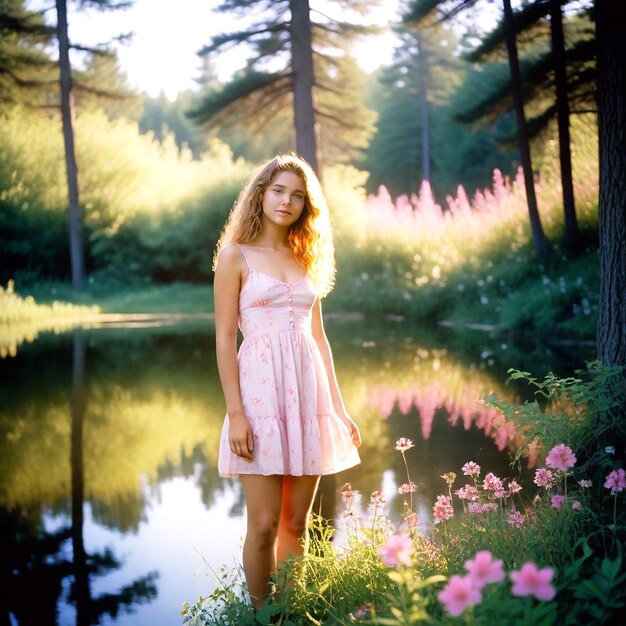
x,y
111,509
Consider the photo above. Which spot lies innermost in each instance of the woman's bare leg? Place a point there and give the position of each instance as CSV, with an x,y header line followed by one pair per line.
x,y
298,495
263,495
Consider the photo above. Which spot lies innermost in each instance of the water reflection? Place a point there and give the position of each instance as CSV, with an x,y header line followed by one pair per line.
x,y
108,453
40,560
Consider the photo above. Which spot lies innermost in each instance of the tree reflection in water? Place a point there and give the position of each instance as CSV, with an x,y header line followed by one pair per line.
x,y
37,564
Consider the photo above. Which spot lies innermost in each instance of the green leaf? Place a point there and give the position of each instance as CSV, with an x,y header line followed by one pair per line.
x,y
265,614
610,568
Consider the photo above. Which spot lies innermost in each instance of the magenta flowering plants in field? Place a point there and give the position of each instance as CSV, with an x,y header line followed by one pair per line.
x,y
425,586
491,554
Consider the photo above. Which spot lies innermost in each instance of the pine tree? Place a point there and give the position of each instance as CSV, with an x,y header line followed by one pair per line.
x,y
421,11
410,98
103,83
26,71
67,115
554,75
312,80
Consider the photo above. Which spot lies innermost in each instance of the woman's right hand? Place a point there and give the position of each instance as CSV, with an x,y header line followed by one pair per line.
x,y
240,437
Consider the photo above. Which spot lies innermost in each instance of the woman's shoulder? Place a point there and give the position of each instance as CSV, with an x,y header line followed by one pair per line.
x,y
230,257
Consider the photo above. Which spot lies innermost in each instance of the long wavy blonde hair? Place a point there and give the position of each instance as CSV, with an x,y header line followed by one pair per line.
x,y
310,237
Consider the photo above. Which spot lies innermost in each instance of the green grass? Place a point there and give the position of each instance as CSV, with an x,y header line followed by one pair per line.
x,y
142,298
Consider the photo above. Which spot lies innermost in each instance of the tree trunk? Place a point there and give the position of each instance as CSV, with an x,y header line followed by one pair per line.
x,y
303,79
611,80
571,237
81,589
539,239
67,113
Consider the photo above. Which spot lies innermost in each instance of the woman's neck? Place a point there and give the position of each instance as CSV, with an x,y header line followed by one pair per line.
x,y
273,237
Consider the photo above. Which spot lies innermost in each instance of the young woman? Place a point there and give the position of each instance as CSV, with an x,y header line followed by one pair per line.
x,y
286,424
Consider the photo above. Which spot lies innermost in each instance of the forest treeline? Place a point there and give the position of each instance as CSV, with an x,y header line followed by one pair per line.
x,y
155,184
155,177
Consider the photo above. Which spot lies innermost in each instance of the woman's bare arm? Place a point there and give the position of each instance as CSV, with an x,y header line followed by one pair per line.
x,y
226,287
317,327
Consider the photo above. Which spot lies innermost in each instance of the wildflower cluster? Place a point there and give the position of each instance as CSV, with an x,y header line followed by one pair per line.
x,y
559,461
487,496
460,592
465,591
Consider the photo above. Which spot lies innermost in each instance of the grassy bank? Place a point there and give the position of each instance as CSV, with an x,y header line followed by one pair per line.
x,y
140,298
462,259
19,308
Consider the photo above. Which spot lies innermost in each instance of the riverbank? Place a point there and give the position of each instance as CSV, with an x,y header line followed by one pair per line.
x,y
176,298
553,300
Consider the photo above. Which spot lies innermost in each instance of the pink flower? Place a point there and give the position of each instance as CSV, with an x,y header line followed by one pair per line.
x,y
492,482
532,581
411,520
490,506
483,569
347,494
459,593
556,502
515,518
474,507
467,492
363,611
561,458
406,488
403,444
544,478
349,518
442,509
501,492
471,469
514,487
377,499
576,505
396,551
616,481
585,484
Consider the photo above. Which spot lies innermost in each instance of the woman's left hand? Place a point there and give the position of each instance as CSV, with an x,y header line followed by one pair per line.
x,y
354,430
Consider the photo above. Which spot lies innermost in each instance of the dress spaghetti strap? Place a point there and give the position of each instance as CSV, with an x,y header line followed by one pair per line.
x,y
245,257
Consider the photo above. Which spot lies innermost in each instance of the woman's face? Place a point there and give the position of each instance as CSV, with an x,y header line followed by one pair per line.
x,y
284,198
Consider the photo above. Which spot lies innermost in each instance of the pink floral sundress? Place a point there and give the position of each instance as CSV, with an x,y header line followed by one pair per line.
x,y
284,386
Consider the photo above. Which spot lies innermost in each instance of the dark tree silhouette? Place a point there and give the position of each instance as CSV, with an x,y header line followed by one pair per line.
x,y
77,254
571,235
611,63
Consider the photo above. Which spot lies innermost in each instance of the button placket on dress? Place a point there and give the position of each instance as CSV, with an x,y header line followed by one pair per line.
x,y
292,323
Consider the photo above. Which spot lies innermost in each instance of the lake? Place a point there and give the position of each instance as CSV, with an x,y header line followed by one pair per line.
x,y
111,508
